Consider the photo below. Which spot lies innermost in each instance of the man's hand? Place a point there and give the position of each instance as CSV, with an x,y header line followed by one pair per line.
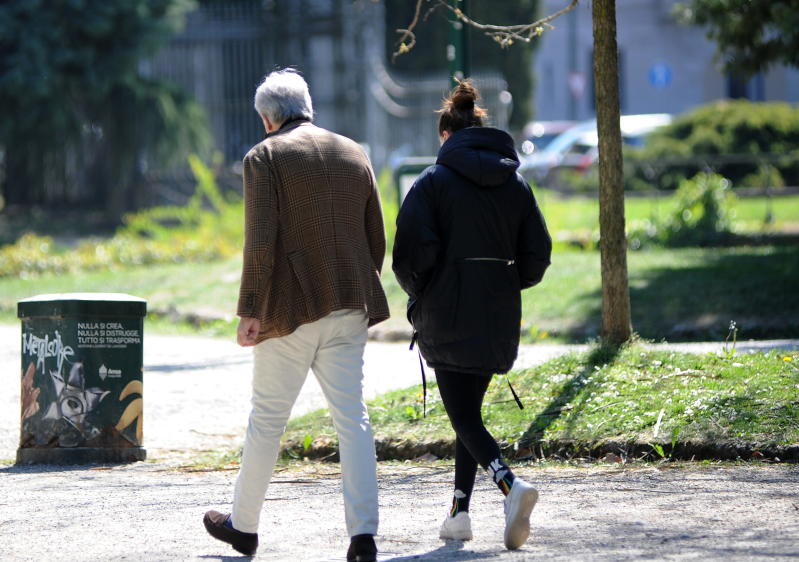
x,y
248,331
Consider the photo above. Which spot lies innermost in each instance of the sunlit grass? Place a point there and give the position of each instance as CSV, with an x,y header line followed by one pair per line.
x,y
580,215
642,396
678,294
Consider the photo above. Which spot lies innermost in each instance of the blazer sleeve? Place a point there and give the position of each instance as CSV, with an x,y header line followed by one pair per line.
x,y
534,246
417,244
375,229
260,234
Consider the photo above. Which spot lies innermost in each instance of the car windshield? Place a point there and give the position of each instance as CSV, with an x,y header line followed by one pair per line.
x,y
565,139
543,141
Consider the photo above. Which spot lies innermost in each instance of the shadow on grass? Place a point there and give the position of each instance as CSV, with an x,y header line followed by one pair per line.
x,y
533,436
753,287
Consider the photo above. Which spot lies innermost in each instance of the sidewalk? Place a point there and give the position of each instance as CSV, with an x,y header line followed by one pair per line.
x,y
196,399
146,512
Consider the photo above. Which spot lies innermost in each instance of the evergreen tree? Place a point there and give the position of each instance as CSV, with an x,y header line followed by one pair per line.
x,y
78,120
751,35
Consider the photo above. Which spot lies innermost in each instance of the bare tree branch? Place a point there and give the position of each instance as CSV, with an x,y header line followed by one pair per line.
x,y
408,34
505,35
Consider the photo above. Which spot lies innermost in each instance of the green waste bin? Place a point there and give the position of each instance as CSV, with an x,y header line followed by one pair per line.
x,y
407,171
82,395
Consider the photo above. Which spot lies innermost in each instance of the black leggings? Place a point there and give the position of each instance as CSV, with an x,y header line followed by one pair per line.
x,y
462,394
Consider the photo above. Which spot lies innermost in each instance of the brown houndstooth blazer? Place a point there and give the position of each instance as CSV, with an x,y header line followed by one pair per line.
x,y
314,239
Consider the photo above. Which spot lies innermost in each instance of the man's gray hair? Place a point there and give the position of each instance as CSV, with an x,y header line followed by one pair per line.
x,y
283,96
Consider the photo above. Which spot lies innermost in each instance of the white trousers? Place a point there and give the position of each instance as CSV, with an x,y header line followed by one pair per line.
x,y
333,348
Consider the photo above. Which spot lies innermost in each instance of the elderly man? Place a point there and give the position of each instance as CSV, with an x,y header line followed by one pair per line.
x,y
313,251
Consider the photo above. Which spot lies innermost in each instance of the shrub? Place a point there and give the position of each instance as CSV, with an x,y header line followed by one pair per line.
x,y
701,215
209,227
733,138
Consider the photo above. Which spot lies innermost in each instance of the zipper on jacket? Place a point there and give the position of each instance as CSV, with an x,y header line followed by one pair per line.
x,y
501,260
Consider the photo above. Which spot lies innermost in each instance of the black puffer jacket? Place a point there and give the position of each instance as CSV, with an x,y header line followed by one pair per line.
x,y
469,238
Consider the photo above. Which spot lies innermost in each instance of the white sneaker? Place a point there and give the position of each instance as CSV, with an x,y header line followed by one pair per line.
x,y
458,528
519,503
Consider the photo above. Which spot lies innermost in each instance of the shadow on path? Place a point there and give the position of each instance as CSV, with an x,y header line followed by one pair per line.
x,y
451,550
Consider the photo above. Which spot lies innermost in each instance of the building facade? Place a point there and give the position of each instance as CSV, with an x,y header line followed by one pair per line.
x,y
664,66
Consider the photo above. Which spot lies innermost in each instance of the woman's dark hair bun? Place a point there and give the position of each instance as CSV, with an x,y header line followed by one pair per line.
x,y
460,109
464,95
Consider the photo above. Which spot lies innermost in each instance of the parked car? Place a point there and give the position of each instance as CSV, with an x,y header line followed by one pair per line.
x,y
538,134
577,149
536,165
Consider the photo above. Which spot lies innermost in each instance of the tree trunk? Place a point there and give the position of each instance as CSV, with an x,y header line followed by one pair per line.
x,y
20,187
616,325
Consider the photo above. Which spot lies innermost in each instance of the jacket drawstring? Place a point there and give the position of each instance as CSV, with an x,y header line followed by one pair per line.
x,y
515,396
424,377
414,337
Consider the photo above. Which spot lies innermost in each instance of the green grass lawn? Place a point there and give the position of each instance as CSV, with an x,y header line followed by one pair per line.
x,y
661,399
581,214
205,289
690,293
677,294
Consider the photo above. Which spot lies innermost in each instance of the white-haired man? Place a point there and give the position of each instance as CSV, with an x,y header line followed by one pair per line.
x,y
313,250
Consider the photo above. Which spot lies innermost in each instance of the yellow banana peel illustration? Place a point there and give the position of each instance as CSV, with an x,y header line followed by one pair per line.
x,y
133,387
134,410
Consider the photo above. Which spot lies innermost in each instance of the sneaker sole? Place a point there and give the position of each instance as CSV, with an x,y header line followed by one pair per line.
x,y
461,533
464,537
518,529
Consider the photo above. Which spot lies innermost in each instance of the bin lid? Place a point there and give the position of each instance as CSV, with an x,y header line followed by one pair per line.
x,y
82,304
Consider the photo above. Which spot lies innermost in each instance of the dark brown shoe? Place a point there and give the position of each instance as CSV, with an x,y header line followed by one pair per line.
x,y
215,524
362,549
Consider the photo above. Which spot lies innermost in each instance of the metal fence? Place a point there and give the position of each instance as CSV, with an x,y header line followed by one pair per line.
x,y
405,123
227,47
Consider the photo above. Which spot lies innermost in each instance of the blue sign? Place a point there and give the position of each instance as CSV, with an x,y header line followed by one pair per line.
x,y
660,75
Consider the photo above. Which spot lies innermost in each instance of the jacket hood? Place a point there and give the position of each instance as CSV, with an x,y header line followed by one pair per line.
x,y
484,155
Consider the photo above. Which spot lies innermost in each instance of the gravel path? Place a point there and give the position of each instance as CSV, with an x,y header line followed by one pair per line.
x,y
196,399
147,511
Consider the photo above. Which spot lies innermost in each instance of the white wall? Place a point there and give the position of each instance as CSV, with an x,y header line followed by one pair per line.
x,y
650,41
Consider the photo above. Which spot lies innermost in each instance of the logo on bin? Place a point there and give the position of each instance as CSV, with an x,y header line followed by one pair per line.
x,y
74,401
110,373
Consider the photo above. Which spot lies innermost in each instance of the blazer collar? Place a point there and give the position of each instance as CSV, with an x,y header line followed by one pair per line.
x,y
288,126
291,123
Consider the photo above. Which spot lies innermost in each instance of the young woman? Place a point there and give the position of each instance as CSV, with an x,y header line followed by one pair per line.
x,y
469,238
